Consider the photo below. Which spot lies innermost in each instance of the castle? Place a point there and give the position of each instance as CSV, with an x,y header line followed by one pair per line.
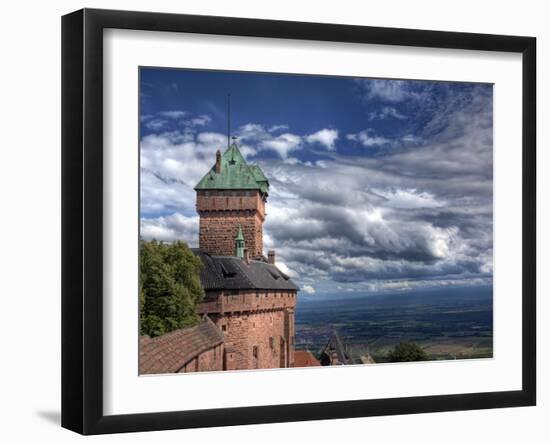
x,y
248,307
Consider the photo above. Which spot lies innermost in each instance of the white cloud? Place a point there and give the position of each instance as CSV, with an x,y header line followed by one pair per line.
x,y
212,139
368,138
276,128
285,269
256,135
385,113
173,114
248,151
170,228
389,90
283,144
201,120
253,131
172,164
410,138
325,137
156,124
308,289
409,199
162,121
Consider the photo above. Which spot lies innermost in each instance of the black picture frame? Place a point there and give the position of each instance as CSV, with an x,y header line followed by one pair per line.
x,y
82,218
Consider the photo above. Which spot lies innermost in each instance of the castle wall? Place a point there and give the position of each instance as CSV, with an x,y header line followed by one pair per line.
x,y
290,333
210,360
245,301
221,214
258,327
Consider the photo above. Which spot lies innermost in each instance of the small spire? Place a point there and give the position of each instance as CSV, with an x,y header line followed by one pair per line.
x,y
240,234
239,243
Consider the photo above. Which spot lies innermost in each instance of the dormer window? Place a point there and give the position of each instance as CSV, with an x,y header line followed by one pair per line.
x,y
226,272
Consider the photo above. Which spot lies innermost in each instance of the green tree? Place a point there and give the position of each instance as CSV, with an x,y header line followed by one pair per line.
x,y
407,351
170,287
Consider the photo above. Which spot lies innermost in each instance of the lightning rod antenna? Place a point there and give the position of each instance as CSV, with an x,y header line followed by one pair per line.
x,y
228,119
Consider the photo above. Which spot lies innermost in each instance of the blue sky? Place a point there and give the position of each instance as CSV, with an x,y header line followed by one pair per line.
x,y
375,184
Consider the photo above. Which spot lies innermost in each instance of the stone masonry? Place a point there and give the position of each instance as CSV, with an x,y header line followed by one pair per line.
x,y
258,326
221,214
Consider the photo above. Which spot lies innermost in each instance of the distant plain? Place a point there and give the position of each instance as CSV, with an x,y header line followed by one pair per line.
x,y
448,323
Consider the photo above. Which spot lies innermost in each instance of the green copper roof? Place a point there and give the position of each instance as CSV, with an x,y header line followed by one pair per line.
x,y
239,243
235,174
240,235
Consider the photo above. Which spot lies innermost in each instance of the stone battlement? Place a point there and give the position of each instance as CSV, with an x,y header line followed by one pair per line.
x,y
225,302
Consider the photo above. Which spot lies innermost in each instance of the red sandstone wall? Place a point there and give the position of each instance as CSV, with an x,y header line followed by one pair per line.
x,y
289,332
230,201
217,232
221,213
263,330
210,360
265,322
245,301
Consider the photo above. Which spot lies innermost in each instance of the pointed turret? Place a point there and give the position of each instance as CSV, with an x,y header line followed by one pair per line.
x,y
239,243
231,172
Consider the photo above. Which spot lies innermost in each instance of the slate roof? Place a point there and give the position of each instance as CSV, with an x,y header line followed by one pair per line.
x,y
168,353
228,272
335,344
235,174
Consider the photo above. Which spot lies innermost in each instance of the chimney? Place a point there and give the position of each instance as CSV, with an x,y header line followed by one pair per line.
x,y
246,256
271,257
218,162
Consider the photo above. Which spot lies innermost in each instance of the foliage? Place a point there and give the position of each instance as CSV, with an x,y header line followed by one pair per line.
x,y
407,351
170,287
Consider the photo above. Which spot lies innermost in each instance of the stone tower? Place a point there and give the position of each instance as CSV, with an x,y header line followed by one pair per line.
x,y
231,196
246,295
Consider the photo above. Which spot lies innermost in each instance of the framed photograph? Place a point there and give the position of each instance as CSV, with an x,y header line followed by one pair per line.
x,y
269,221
